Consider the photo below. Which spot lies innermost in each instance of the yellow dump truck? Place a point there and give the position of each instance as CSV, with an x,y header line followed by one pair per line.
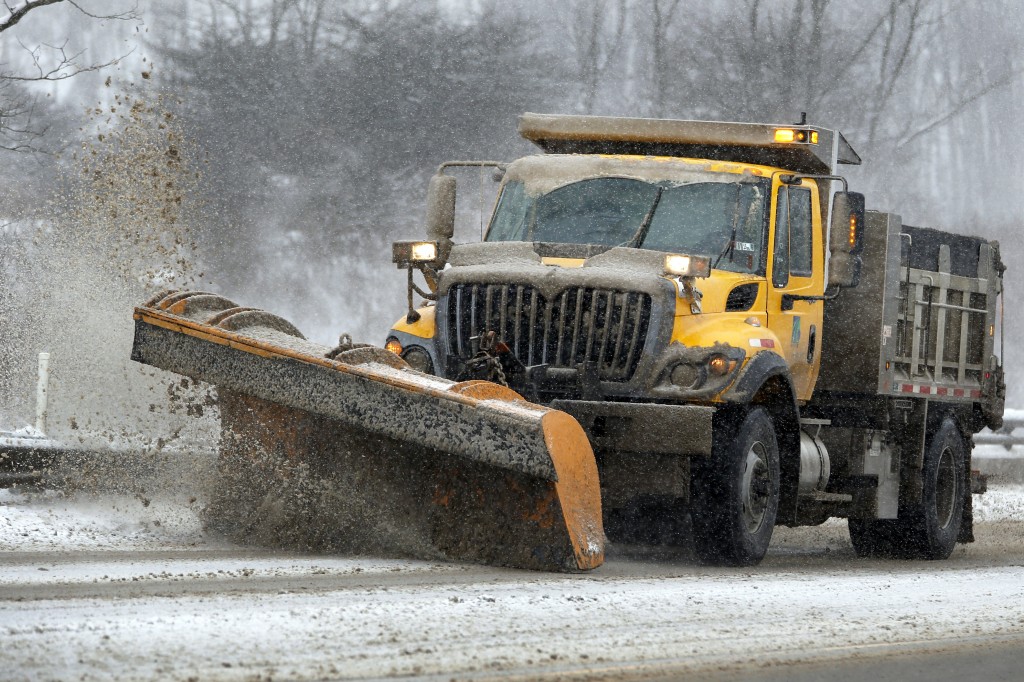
x,y
741,342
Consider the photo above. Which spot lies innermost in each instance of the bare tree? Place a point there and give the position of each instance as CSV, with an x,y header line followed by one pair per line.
x,y
17,11
663,69
596,29
19,107
868,68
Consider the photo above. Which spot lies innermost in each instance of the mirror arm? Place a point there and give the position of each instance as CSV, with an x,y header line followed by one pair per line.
x,y
793,178
789,299
500,165
430,274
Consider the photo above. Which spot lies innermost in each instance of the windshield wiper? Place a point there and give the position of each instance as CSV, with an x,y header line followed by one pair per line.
x,y
637,239
730,247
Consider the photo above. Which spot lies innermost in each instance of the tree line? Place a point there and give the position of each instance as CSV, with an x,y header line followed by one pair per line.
x,y
319,121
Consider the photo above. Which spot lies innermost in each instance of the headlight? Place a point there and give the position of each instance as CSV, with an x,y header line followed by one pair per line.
x,y
404,253
680,265
419,359
424,251
697,372
685,375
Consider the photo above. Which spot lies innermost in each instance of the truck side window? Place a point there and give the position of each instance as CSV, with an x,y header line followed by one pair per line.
x,y
780,258
800,231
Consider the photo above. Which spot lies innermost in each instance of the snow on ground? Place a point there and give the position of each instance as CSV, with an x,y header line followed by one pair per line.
x,y
52,521
534,624
1000,503
115,586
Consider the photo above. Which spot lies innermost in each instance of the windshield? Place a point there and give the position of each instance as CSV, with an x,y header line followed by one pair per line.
x,y
723,220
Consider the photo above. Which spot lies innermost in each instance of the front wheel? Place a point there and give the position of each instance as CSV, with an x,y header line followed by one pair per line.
x,y
735,492
929,528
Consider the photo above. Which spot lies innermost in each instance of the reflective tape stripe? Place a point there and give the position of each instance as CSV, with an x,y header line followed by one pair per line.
x,y
924,389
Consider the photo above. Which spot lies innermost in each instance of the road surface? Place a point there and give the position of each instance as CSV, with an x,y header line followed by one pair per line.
x,y
121,586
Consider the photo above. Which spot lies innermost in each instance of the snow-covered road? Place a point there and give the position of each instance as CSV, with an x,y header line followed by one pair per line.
x,y
122,587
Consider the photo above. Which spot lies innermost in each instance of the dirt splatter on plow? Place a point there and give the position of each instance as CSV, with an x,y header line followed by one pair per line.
x,y
464,471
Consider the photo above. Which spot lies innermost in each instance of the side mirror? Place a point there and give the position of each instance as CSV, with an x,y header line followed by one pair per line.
x,y
441,214
846,239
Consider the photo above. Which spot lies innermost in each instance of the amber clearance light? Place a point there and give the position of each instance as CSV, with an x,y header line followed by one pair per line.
x,y
790,135
718,365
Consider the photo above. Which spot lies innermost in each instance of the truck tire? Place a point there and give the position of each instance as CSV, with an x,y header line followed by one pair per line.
x,y
928,529
734,493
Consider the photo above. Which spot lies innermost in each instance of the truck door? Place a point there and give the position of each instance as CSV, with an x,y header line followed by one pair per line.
x,y
797,267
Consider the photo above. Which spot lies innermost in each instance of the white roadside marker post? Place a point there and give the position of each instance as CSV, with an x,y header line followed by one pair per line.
x,y
42,386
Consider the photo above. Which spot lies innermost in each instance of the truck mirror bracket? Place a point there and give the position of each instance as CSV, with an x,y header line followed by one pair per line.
x,y
411,287
789,299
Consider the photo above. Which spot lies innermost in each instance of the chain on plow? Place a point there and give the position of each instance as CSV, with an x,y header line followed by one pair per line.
x,y
486,361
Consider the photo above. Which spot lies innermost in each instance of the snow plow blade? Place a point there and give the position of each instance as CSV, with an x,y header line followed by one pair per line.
x,y
471,469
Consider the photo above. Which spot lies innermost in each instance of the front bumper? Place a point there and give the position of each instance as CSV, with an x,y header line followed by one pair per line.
x,y
643,428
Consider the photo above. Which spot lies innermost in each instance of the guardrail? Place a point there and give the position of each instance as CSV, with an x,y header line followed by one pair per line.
x,y
1011,433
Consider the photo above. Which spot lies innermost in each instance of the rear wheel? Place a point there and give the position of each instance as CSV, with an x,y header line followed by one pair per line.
x,y
927,529
735,493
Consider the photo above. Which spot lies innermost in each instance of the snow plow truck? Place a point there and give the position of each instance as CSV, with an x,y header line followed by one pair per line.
x,y
668,323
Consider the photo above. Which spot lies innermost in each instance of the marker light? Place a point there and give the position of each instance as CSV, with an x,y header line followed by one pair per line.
x,y
680,265
394,346
718,365
784,135
789,135
853,230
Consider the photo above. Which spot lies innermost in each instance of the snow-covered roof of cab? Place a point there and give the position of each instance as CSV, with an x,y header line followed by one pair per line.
x,y
819,151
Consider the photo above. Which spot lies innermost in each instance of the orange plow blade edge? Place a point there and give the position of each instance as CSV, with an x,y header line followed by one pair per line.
x,y
471,471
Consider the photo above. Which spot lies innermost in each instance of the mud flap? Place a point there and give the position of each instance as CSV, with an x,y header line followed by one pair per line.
x,y
416,464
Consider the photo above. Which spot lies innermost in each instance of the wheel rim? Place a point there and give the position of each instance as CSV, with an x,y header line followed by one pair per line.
x,y
945,488
756,486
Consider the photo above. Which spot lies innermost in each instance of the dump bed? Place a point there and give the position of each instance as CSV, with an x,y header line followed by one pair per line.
x,y
922,321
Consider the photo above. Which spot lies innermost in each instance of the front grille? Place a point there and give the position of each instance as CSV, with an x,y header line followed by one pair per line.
x,y
579,325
